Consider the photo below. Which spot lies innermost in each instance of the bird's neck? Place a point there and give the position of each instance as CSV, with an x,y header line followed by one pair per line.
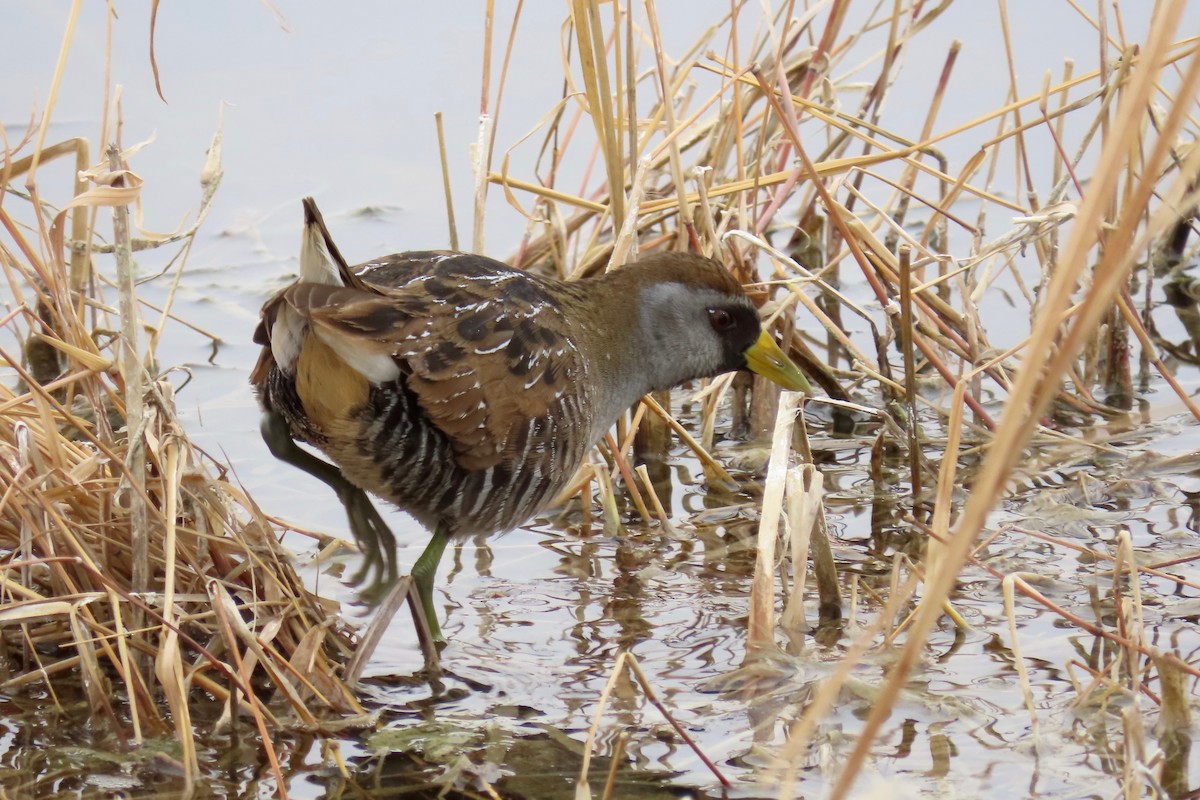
x,y
623,357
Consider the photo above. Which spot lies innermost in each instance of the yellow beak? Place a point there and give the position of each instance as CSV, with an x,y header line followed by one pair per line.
x,y
765,358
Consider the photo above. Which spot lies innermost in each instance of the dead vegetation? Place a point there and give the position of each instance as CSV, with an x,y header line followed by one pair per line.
x,y
135,570
791,143
143,572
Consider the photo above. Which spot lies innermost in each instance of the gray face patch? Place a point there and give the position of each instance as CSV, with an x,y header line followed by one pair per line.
x,y
674,323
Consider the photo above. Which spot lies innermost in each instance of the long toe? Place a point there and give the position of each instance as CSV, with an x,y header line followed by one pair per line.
x,y
374,538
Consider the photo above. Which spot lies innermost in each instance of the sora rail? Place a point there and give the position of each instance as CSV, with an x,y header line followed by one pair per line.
x,y
468,392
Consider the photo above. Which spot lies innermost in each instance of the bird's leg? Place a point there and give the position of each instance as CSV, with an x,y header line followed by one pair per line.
x,y
370,531
373,535
424,571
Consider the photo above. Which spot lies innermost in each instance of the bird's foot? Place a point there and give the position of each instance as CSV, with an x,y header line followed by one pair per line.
x,y
375,540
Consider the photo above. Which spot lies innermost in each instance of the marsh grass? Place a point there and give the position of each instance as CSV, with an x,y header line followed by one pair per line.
x,y
792,143
137,571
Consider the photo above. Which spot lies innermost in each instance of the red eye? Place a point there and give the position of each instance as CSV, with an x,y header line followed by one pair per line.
x,y
720,319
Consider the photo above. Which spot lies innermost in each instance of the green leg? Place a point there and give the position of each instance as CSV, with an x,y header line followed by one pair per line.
x,y
369,530
423,573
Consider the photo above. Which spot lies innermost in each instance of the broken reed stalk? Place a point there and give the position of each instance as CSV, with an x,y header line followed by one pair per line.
x,y
1174,724
626,660
804,491
761,636
482,145
1018,659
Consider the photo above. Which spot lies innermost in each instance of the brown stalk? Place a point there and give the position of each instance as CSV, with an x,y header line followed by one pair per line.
x,y
259,721
685,208
717,476
441,137
1022,155
585,15
1026,403
910,374
841,220
59,68
627,476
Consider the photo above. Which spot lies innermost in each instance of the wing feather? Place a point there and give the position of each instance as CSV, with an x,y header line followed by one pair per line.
x,y
482,347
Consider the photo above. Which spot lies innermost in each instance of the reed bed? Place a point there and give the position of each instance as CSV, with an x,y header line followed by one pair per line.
x,y
136,571
774,151
136,576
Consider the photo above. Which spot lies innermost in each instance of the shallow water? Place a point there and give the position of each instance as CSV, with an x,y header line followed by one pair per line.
x,y
340,106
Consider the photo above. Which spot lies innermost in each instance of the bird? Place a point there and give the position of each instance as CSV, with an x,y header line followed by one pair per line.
x,y
468,392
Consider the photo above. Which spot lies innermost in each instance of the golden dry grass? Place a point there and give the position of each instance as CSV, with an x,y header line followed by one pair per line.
x,y
145,568
793,144
135,570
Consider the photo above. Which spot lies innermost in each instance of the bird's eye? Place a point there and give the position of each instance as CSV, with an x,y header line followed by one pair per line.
x,y
720,319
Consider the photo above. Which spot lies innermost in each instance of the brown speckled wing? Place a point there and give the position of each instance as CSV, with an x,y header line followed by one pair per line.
x,y
482,344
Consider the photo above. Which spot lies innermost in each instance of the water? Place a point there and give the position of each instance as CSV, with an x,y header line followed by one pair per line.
x,y
339,105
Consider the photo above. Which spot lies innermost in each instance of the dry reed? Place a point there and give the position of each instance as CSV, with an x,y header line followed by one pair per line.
x,y
790,140
134,571
777,131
